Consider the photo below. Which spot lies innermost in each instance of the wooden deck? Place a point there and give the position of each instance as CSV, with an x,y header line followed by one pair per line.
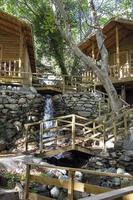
x,y
10,73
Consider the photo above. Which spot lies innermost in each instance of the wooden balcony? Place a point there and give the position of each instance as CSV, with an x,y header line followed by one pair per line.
x,y
120,75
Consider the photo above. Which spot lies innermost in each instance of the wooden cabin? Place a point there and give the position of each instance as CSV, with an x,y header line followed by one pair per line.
x,y
119,42
17,59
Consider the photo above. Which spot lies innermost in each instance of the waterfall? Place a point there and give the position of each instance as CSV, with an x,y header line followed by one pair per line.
x,y
48,114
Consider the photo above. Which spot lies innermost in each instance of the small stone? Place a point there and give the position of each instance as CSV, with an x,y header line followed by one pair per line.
x,y
99,163
120,171
30,96
54,192
22,101
1,106
4,111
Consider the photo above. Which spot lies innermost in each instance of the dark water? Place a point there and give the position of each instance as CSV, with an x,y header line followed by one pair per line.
x,y
69,159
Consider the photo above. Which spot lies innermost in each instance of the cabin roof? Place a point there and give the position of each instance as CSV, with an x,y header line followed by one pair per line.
x,y
13,25
125,27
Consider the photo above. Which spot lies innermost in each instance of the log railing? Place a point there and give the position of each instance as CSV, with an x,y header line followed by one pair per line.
x,y
79,133
71,185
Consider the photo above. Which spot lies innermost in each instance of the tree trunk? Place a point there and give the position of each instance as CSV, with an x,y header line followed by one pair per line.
x,y
100,71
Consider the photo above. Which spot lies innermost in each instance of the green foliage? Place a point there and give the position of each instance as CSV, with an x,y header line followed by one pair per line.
x,y
11,179
48,41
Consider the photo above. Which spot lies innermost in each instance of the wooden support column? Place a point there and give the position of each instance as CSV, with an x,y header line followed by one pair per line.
x,y
123,92
21,42
71,185
117,48
73,132
41,136
27,181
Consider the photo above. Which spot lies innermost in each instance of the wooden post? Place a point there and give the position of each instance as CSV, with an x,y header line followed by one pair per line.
x,y
99,108
41,136
117,49
114,127
125,124
104,136
27,181
21,41
123,92
71,185
73,131
26,138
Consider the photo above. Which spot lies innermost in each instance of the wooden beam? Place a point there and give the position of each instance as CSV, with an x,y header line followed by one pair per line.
x,y
112,195
117,47
34,196
49,181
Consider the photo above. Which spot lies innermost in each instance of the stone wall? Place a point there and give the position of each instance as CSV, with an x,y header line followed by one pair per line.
x,y
18,105
84,103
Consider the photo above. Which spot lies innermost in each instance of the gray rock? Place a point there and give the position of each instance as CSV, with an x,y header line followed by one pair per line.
x,y
1,106
30,96
12,101
54,192
22,101
12,106
4,111
125,158
32,89
2,145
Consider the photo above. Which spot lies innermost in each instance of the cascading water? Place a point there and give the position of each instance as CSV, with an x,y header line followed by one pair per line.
x,y
48,114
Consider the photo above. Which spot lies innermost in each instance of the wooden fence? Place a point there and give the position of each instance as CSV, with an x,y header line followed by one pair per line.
x,y
71,185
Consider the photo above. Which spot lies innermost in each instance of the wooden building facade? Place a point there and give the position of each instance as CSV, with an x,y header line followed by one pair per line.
x,y
118,35
17,59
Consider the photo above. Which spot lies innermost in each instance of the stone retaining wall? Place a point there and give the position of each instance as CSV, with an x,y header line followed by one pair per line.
x,y
18,105
84,103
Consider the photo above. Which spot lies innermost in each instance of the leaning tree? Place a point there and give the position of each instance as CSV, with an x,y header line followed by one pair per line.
x,y
99,68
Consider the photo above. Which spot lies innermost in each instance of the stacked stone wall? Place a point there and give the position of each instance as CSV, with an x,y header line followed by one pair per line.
x,y
18,105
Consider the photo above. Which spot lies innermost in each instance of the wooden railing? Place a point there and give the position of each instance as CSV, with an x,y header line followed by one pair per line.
x,y
79,132
116,74
62,83
11,73
70,184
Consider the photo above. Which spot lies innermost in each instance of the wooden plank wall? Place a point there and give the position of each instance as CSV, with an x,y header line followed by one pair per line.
x,y
10,46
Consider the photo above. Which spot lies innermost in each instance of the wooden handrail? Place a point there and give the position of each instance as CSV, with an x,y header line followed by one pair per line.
x,y
112,194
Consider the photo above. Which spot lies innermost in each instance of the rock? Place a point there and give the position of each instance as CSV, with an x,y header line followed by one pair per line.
x,y
120,171
78,176
125,158
4,111
30,96
1,106
54,192
12,100
129,153
32,89
12,106
22,101
2,145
